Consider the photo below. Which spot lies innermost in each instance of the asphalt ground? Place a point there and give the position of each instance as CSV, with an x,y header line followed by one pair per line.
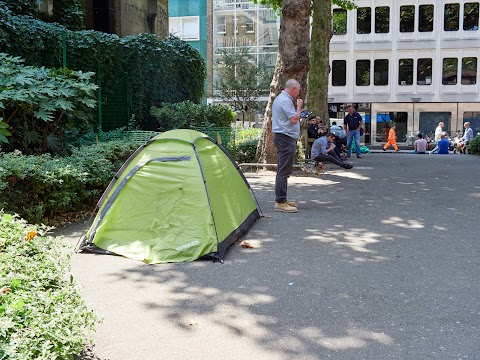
x,y
381,262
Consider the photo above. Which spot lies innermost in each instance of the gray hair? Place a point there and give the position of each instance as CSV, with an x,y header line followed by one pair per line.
x,y
292,83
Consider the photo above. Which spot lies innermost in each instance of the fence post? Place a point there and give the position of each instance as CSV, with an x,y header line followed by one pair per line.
x,y
64,48
99,94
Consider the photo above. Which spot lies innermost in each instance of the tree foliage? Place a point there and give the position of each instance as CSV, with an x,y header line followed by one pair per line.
x,y
240,81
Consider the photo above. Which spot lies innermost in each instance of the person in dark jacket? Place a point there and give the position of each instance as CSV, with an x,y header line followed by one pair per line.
x,y
353,124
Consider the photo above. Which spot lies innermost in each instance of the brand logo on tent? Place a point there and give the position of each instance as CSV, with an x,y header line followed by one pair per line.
x,y
186,246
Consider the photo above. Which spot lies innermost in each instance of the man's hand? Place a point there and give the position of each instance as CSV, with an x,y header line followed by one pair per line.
x,y
299,104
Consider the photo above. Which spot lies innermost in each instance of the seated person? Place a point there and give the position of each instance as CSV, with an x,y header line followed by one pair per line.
x,y
322,128
339,132
323,150
458,144
443,145
312,129
420,145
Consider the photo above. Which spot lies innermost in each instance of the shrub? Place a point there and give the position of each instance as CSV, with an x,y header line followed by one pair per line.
x,y
45,188
37,102
474,146
149,70
187,114
245,151
42,315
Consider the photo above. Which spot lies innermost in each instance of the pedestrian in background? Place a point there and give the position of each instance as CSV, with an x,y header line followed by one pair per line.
x,y
352,124
286,110
392,139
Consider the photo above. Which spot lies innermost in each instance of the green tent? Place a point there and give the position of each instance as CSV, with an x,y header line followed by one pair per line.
x,y
179,197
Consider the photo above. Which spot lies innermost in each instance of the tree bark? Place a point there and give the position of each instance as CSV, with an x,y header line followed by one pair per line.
x,y
317,97
292,63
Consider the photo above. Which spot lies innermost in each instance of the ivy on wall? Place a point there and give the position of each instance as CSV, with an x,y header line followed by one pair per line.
x,y
157,71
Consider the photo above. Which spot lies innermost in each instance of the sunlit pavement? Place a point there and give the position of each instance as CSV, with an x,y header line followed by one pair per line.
x,y
380,262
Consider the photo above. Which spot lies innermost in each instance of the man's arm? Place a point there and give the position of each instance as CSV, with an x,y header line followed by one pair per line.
x,y
296,118
330,148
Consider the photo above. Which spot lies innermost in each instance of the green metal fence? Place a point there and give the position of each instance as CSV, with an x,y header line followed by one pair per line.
x,y
113,100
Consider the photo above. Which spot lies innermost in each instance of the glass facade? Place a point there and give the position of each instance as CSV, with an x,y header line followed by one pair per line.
x,y
240,23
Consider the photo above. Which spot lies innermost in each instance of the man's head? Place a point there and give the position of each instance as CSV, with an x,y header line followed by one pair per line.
x,y
292,88
334,123
350,109
441,124
311,120
466,125
419,136
330,137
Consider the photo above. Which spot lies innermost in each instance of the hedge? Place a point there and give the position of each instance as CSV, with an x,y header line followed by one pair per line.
x,y
45,189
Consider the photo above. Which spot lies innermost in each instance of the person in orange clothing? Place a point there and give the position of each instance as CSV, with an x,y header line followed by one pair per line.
x,y
392,139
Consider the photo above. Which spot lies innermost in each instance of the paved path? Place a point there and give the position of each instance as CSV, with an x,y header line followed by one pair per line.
x,y
381,262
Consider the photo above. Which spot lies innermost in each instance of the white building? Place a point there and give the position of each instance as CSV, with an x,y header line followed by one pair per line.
x,y
412,61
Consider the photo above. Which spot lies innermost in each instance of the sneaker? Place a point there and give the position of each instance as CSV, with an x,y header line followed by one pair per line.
x,y
348,166
397,149
284,207
359,157
292,203
384,149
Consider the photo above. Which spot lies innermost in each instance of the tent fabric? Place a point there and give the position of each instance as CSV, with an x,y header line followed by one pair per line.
x,y
177,198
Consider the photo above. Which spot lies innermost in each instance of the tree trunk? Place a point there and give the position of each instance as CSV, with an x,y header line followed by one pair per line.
x,y
292,63
317,97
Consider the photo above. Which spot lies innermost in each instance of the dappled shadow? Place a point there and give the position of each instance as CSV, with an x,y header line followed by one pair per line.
x,y
369,268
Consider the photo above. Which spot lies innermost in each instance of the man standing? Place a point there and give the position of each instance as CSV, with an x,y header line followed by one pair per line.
x,y
438,136
323,150
468,134
352,124
286,111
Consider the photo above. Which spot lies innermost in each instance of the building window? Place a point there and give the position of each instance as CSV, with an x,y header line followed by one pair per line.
x,y
469,71
382,19
363,73
249,25
407,18
339,22
425,18
424,72
470,16
428,122
339,73
364,20
449,73
451,17
380,72
186,28
221,24
405,72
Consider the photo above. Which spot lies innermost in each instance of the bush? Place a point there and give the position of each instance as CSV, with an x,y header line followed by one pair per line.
x,y
245,151
45,188
39,103
186,114
42,315
474,146
149,70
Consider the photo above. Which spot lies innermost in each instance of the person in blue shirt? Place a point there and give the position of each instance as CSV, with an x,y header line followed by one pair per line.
x,y
286,110
323,150
443,145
